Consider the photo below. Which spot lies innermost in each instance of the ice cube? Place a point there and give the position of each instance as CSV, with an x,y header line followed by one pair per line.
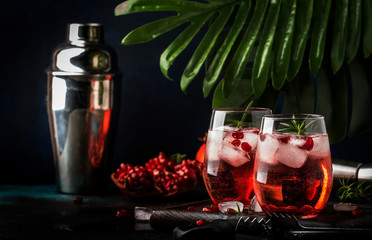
x,y
255,206
266,150
142,213
233,155
213,167
234,205
297,141
321,146
251,138
214,143
344,207
291,156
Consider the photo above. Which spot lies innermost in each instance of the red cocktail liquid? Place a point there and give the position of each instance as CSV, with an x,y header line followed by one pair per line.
x,y
229,162
293,173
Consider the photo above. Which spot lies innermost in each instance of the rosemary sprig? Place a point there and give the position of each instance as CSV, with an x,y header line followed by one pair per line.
x,y
242,121
300,128
235,212
355,191
178,157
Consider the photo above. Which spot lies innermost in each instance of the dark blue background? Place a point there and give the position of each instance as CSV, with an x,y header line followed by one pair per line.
x,y
155,115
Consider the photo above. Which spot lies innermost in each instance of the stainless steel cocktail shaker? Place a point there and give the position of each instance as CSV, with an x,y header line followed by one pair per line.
x,y
80,105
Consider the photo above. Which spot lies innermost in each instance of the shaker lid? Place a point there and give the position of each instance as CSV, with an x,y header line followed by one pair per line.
x,y
84,52
91,32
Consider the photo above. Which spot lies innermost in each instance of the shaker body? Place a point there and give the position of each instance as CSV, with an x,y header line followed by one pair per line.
x,y
80,105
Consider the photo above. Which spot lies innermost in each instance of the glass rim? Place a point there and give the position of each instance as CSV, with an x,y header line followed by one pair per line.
x,y
241,109
288,116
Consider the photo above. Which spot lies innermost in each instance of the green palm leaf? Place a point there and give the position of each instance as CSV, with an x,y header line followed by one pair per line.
x,y
262,61
276,35
238,63
182,41
283,43
355,29
319,34
300,36
339,34
367,28
205,46
215,68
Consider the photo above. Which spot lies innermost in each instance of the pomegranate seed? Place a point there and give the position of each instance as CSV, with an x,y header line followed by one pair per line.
x,y
215,208
206,210
130,180
201,222
121,213
262,137
191,209
237,135
236,143
284,139
122,175
309,144
161,155
246,147
356,212
78,200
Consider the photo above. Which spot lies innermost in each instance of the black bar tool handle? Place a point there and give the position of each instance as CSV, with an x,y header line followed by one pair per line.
x,y
167,220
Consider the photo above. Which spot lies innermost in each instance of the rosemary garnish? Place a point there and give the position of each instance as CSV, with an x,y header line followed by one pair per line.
x,y
242,121
232,211
355,191
300,128
178,157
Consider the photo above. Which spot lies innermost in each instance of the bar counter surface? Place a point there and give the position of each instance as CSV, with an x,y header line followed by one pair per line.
x,y
40,212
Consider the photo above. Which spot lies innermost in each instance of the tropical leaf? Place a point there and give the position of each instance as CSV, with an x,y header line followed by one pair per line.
x,y
283,43
240,94
339,34
319,33
215,68
367,28
187,11
354,29
300,36
182,41
241,57
261,65
205,46
272,38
